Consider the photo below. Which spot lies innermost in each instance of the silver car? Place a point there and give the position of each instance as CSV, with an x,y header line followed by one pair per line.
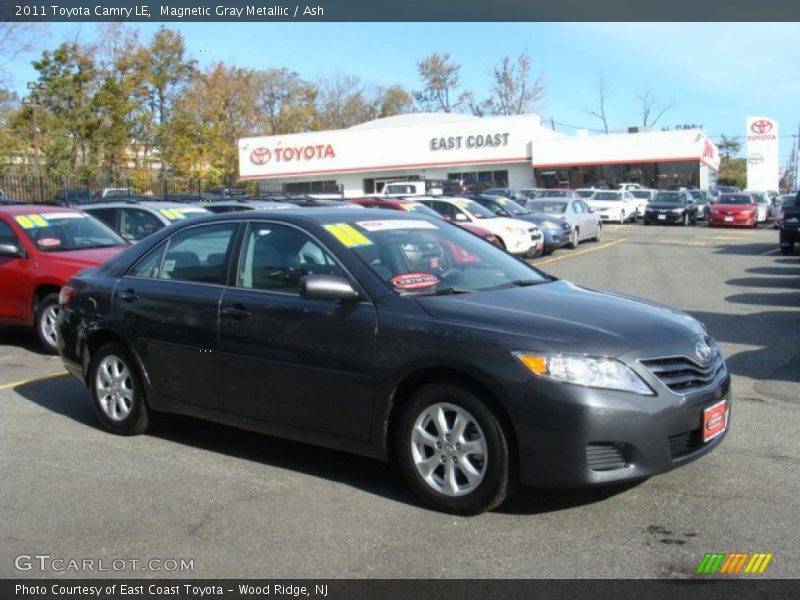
x,y
586,224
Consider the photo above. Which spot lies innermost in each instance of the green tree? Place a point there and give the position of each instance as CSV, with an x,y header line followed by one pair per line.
x,y
285,102
164,71
733,172
65,116
439,75
729,146
394,100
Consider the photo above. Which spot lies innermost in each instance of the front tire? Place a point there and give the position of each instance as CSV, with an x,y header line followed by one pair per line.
x,y
44,321
599,232
117,391
453,450
575,240
686,219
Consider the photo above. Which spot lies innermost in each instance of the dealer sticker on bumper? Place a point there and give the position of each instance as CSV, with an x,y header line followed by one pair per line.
x,y
715,420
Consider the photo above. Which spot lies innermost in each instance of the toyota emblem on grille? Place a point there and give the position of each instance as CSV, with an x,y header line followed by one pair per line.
x,y
703,352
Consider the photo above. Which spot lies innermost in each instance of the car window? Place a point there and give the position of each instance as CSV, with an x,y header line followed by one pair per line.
x,y
198,254
150,265
66,231
276,257
137,224
446,210
7,234
106,215
578,207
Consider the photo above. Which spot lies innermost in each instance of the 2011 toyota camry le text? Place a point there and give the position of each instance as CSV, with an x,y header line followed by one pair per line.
x,y
400,337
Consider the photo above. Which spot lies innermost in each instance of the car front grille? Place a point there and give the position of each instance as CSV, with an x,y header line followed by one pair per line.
x,y
682,374
535,234
684,443
604,456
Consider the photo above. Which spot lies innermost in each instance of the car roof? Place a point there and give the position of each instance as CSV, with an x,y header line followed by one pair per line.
x,y
27,209
155,204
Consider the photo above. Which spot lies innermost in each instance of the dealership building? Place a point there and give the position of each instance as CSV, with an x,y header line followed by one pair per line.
x,y
516,151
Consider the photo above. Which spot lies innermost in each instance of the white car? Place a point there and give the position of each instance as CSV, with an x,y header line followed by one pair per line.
x,y
614,205
631,186
643,198
762,212
518,237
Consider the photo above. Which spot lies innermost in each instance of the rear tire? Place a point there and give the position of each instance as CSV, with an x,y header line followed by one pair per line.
x,y
47,312
599,232
117,391
453,450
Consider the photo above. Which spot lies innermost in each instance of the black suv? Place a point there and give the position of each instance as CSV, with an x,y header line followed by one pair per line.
x,y
789,224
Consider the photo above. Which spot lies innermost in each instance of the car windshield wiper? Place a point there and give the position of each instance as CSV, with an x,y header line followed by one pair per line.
x,y
444,291
519,283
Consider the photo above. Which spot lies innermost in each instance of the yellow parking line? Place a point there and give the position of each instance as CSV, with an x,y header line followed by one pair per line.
x,y
13,384
570,255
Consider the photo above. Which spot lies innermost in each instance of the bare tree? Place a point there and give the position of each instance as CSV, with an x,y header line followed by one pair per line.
x,y
603,91
344,101
652,107
513,91
439,74
17,39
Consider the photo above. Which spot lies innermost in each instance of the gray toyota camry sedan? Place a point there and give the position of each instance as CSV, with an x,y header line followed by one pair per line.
x,y
400,337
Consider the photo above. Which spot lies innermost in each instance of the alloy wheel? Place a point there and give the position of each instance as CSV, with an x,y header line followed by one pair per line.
x,y
114,387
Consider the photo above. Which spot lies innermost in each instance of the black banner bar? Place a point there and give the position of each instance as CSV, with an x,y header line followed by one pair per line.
x,y
397,10
718,588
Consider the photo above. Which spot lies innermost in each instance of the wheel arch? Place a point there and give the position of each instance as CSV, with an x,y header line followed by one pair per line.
x,y
413,381
99,338
40,292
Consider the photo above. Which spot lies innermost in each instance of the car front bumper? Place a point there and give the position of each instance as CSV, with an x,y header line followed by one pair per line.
x,y
737,220
669,217
568,434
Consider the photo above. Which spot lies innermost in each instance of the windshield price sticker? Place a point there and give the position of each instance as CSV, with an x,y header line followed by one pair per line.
x,y
49,242
415,281
173,214
349,236
30,221
396,224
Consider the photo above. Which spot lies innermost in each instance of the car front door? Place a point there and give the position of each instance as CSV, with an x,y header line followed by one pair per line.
x,y
290,360
15,275
168,304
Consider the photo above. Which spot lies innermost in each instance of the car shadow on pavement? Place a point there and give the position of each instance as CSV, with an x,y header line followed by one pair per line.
x,y
745,249
66,396
21,337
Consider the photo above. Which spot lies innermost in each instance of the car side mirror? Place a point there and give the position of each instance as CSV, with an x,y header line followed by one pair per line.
x,y
328,287
11,250
461,217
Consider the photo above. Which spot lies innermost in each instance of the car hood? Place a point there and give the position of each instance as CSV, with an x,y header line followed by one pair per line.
x,y
81,259
564,317
605,203
497,225
665,205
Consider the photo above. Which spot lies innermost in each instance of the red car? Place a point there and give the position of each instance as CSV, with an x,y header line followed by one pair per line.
x,y
410,205
41,247
733,210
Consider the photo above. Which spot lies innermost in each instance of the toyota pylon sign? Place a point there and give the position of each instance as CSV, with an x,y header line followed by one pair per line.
x,y
762,154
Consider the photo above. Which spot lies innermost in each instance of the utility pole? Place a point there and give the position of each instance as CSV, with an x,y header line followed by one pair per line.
x,y
33,102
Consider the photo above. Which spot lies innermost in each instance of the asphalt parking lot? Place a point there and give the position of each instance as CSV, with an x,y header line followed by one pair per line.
x,y
244,505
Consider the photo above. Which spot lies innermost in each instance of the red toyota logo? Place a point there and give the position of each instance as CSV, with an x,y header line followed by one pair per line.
x,y
260,156
761,126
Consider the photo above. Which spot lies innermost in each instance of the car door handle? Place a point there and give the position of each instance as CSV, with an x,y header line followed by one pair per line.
x,y
128,295
236,312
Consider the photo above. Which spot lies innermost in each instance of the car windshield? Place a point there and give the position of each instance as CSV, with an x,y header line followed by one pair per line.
x,y
473,208
503,204
553,194
640,193
758,196
497,192
418,207
670,198
788,201
431,257
64,231
734,199
612,196
547,206
584,193
699,195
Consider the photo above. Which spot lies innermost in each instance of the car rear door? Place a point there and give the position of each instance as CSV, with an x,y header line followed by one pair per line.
x,y
168,305
291,360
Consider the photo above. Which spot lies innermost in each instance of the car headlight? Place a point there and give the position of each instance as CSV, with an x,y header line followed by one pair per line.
x,y
549,225
677,211
595,372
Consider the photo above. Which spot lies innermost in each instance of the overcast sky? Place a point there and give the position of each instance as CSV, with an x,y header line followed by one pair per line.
x,y
718,73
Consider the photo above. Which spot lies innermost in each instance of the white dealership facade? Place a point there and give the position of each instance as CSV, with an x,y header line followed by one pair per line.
x,y
516,151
